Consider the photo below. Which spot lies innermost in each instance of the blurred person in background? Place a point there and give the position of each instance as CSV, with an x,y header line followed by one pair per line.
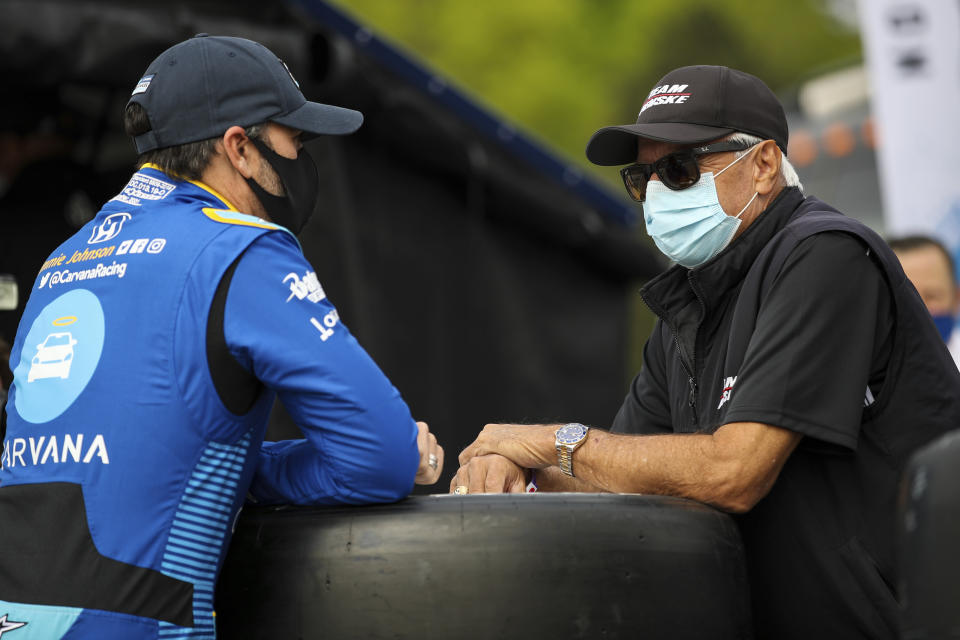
x,y
151,350
930,268
790,375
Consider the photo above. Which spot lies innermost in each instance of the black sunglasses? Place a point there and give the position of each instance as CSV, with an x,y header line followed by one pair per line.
x,y
677,170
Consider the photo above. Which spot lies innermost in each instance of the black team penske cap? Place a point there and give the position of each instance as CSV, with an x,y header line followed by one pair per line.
x,y
201,87
693,105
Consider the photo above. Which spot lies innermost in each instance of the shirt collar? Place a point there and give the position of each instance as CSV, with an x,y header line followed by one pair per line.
x,y
221,203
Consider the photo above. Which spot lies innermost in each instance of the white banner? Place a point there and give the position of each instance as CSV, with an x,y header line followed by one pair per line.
x,y
913,56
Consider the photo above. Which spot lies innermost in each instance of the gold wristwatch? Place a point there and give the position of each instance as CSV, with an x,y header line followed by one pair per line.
x,y
568,438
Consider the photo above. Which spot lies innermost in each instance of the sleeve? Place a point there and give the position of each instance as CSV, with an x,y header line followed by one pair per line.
x,y
809,359
646,409
360,441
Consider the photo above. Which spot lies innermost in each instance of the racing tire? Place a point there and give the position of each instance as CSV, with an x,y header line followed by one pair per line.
x,y
928,531
487,566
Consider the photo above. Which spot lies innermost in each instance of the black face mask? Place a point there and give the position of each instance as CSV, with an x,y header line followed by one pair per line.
x,y
300,182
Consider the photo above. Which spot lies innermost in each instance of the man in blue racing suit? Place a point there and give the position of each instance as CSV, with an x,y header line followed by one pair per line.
x,y
151,350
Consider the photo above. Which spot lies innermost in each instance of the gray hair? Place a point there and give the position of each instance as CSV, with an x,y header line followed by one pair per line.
x,y
789,174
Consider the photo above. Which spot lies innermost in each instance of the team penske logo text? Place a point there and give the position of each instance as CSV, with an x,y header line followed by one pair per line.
x,y
30,452
666,94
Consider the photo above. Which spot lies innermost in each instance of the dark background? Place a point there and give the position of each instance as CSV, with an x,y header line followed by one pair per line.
x,y
485,287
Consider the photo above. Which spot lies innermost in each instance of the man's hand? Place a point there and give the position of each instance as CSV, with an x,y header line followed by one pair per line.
x,y
530,446
490,474
431,456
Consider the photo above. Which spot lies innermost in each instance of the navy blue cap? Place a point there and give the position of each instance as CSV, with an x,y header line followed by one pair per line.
x,y
692,105
201,87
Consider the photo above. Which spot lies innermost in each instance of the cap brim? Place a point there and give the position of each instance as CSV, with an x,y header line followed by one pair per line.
x,y
316,119
618,145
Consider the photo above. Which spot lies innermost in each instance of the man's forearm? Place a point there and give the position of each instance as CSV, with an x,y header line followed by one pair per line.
x,y
663,464
731,468
552,479
630,464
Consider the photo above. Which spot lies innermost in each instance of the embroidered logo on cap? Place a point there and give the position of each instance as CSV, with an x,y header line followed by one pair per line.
x,y
666,94
290,73
143,84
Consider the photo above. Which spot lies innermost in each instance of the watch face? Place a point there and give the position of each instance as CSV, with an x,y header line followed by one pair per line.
x,y
571,433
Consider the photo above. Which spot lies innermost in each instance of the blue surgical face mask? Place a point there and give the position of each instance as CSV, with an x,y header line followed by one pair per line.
x,y
689,226
944,322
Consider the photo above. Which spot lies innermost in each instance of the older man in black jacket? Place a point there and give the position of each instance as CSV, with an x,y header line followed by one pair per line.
x,y
792,370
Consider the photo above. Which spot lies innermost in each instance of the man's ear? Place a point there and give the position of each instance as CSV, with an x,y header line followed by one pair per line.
x,y
238,149
766,167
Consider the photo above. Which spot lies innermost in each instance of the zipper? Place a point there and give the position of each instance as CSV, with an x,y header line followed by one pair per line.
x,y
691,380
692,400
693,356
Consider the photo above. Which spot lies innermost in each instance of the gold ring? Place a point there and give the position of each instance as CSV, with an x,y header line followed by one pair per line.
x,y
461,490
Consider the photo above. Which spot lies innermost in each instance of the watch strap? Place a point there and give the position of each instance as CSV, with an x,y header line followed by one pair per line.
x,y
565,458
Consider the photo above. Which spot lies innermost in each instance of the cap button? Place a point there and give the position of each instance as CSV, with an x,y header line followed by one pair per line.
x,y
202,35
